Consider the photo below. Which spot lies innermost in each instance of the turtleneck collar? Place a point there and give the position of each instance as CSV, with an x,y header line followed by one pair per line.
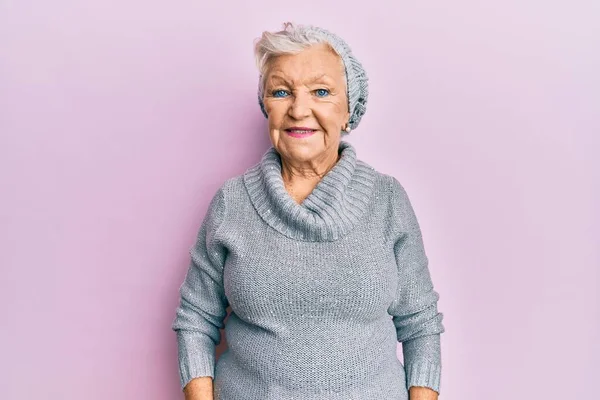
x,y
330,211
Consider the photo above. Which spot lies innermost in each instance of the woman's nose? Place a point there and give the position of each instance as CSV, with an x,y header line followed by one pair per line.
x,y
300,107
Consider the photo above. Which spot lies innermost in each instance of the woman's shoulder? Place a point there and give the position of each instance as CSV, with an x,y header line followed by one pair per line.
x,y
382,180
230,188
389,193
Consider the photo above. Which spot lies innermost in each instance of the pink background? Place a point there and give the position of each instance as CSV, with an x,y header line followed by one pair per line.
x,y
119,120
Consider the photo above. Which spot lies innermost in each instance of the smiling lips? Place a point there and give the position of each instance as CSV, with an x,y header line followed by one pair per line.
x,y
300,131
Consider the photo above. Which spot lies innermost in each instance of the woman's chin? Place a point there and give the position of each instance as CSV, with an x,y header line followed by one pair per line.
x,y
304,151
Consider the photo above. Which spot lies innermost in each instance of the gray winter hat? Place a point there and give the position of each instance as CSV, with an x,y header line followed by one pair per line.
x,y
356,77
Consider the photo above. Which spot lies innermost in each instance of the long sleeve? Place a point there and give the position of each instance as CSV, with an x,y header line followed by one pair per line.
x,y
414,310
202,308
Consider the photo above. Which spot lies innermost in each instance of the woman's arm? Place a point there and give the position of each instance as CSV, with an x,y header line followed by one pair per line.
x,y
421,393
199,389
203,304
414,311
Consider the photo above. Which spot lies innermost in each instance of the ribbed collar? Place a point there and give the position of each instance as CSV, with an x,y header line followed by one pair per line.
x,y
331,210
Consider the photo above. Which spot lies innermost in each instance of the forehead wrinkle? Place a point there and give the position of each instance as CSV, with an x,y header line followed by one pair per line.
x,y
315,78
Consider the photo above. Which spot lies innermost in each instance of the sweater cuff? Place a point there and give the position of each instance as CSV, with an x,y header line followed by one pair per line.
x,y
423,373
196,356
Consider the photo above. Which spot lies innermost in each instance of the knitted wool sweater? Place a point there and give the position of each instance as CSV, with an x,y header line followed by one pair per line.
x,y
320,292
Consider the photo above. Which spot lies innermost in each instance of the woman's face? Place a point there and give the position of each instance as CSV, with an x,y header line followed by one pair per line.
x,y
306,90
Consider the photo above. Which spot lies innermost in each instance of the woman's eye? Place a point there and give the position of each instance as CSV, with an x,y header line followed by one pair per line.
x,y
279,93
322,92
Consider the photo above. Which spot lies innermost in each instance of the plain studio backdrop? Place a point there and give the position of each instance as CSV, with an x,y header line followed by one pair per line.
x,y
120,119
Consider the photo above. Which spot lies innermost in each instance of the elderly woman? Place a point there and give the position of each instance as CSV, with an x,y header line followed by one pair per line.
x,y
319,255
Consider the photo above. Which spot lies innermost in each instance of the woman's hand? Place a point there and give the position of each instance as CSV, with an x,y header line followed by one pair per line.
x,y
199,389
422,393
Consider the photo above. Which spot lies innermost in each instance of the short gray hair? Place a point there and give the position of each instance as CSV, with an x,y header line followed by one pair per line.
x,y
294,39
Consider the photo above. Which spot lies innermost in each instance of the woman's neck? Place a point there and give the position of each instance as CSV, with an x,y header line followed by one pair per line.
x,y
300,182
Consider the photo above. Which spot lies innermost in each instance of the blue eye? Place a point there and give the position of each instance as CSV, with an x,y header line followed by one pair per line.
x,y
279,93
322,92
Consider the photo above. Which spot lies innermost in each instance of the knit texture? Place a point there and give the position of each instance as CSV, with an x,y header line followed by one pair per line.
x,y
320,292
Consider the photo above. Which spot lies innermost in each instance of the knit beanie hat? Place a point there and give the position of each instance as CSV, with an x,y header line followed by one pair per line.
x,y
356,77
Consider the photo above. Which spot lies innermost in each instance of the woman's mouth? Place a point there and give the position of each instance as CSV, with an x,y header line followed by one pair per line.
x,y
300,132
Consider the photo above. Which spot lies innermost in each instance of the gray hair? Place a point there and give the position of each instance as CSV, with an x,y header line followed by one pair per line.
x,y
294,39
